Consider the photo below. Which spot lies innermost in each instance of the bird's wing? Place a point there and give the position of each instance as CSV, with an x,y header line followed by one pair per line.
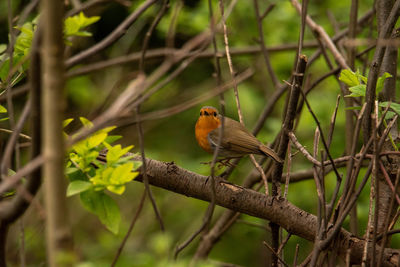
x,y
236,138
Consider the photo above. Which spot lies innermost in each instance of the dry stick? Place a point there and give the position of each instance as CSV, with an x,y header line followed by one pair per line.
x,y
112,37
166,52
324,37
338,176
284,138
11,144
386,223
370,94
121,246
145,179
24,136
275,253
210,209
137,111
296,253
159,114
284,242
369,226
154,24
321,216
10,182
387,178
391,232
376,160
303,150
229,59
288,168
350,182
170,38
351,51
264,50
87,5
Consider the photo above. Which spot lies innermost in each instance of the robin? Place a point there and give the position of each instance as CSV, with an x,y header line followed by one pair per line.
x,y
237,141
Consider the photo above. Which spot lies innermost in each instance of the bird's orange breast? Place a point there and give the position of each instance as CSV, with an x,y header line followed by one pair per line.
x,y
204,125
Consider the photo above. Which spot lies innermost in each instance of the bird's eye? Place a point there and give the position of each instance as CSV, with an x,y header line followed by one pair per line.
x,y
215,114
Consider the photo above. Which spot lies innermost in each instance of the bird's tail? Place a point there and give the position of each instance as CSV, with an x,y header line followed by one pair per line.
x,y
270,152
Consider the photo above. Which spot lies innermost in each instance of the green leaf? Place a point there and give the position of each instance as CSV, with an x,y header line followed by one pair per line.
x,y
116,152
3,109
77,187
353,108
361,77
4,119
112,138
86,21
3,48
381,81
123,174
86,122
96,139
358,90
81,148
67,122
349,78
116,189
73,25
4,69
394,106
70,170
104,207
390,115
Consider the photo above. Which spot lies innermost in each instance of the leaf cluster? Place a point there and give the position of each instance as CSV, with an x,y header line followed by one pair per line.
x,y
357,86
90,178
73,26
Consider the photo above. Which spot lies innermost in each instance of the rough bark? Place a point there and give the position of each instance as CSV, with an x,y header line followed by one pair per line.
x,y
58,232
275,209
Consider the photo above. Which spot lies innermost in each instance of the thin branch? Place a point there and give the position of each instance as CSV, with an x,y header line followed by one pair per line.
x,y
128,233
264,50
147,37
275,253
112,37
145,179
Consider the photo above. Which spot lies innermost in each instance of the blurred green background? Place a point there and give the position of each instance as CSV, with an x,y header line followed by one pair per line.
x,y
172,138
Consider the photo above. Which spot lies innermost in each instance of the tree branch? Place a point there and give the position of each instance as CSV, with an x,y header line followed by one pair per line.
x,y
278,210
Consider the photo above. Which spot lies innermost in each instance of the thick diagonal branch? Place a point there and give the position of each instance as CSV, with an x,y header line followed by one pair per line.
x,y
278,210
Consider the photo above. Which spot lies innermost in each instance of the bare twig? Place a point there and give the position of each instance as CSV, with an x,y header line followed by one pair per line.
x,y
11,181
133,222
144,166
275,253
112,37
154,24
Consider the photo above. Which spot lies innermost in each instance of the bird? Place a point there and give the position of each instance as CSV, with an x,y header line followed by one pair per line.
x,y
237,141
